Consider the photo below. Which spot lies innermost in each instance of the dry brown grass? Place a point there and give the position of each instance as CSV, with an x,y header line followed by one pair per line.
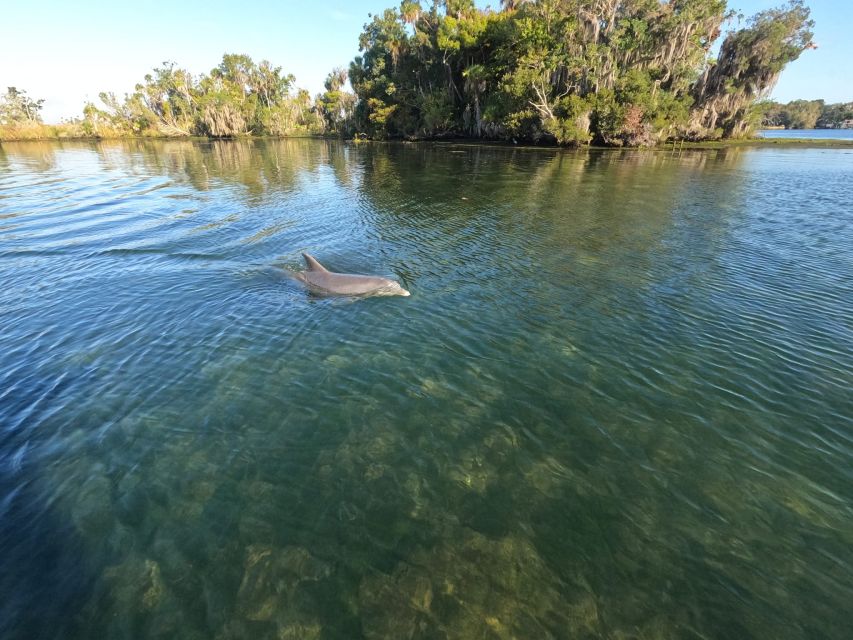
x,y
39,131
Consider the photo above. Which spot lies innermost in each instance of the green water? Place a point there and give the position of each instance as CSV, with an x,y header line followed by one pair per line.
x,y
617,404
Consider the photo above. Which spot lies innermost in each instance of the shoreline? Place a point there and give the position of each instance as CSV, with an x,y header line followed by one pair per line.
x,y
803,143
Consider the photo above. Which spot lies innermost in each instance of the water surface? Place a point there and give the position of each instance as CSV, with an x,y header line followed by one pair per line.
x,y
812,134
616,405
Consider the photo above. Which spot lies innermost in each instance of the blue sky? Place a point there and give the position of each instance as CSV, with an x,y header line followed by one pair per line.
x,y
67,52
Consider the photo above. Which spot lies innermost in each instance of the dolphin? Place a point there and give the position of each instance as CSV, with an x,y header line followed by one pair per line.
x,y
320,280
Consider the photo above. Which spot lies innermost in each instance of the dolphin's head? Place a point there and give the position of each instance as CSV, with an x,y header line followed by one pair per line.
x,y
393,288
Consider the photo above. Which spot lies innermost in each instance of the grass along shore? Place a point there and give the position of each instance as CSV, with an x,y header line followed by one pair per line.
x,y
35,131
29,130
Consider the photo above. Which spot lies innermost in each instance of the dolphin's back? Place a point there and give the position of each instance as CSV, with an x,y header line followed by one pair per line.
x,y
320,279
344,283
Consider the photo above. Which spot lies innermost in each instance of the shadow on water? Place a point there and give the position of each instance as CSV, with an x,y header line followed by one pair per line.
x,y
45,573
580,425
45,579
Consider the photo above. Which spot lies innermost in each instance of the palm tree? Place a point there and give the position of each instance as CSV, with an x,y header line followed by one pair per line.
x,y
475,84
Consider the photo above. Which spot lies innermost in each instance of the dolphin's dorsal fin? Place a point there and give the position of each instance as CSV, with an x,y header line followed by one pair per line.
x,y
312,263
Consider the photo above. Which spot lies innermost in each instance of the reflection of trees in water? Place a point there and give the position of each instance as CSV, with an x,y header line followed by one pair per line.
x,y
604,200
37,156
600,186
260,167
570,206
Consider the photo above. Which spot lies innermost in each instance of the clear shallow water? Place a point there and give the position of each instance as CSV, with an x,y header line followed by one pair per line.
x,y
616,405
817,134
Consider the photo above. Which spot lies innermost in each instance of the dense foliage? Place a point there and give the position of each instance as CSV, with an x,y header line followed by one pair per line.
x,y
238,97
807,114
619,72
834,116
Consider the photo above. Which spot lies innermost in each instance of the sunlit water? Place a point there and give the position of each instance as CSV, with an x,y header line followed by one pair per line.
x,y
617,404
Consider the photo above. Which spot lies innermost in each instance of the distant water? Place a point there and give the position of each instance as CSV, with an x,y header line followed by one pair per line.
x,y
815,134
617,405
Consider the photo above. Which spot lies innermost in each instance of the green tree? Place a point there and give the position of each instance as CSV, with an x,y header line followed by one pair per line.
x,y
629,72
17,106
337,105
238,97
834,116
802,114
749,65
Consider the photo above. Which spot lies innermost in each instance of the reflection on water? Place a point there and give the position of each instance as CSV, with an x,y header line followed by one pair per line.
x,y
616,405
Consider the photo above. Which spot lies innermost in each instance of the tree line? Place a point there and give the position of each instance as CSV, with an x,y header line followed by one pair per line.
x,y
807,114
237,97
615,72
612,72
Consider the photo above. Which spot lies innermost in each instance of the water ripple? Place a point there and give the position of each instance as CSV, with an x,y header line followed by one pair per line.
x,y
616,404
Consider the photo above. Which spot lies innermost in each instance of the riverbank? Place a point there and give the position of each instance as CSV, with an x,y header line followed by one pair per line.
x,y
75,132
803,143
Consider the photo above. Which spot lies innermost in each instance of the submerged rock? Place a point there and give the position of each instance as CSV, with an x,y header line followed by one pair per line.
x,y
261,512
135,585
300,631
397,606
271,578
474,588
473,473
91,510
